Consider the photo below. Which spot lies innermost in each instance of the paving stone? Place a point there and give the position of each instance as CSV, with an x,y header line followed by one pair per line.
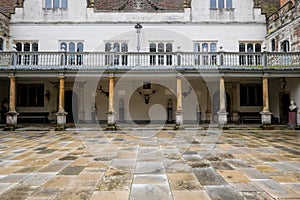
x,y
274,189
15,178
115,183
252,173
110,195
190,195
207,176
149,167
150,192
72,170
150,179
233,176
224,193
37,179
74,194
55,167
6,186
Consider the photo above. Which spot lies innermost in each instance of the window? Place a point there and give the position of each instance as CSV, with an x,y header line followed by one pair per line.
x,y
1,44
72,47
161,47
251,95
30,95
205,59
285,46
56,4
220,3
27,46
118,53
248,59
273,44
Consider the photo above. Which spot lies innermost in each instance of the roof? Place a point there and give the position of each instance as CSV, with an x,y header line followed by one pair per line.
x,y
8,6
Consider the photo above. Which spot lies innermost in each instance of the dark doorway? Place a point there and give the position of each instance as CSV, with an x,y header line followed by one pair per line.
x,y
71,106
284,107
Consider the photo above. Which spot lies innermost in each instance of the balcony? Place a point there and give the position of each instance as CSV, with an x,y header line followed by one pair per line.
x,y
129,60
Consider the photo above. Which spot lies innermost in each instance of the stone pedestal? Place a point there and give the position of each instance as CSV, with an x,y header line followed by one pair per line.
x,y
266,117
179,120
292,119
11,120
111,121
222,116
61,118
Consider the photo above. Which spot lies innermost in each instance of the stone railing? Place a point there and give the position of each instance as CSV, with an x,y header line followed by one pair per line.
x,y
149,60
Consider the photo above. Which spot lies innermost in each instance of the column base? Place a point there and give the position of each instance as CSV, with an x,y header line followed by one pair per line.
x,y
266,117
179,120
111,122
208,116
222,115
298,119
61,120
235,116
11,120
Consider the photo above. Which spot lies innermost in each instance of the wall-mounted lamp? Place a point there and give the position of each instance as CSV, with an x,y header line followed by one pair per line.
x,y
47,95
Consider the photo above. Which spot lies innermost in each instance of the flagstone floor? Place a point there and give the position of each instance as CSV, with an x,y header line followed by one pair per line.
x,y
150,165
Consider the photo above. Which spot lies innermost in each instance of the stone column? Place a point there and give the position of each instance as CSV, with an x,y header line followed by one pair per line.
x,y
208,107
298,118
81,96
222,113
11,116
111,120
61,114
235,114
265,113
179,118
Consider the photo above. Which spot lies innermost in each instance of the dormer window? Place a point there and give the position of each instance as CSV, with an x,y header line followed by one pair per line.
x,y
56,4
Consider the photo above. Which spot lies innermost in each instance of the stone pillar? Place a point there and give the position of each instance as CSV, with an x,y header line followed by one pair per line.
x,y
81,96
222,113
179,118
298,119
111,120
61,114
235,114
208,107
265,113
12,115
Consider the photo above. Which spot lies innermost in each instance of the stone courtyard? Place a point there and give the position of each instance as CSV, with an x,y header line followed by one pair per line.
x,y
149,164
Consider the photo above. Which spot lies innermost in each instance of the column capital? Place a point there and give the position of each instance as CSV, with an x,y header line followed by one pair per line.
x,y
179,75
266,75
61,77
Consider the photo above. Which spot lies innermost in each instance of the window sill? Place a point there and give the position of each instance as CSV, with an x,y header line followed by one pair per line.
x,y
222,9
54,9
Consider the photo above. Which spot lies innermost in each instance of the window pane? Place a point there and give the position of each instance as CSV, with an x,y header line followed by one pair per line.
x,y
161,47
249,47
56,4
221,4
196,47
213,4
242,47
72,47
1,44
124,47
257,48
19,47
228,3
169,47
204,47
64,3
116,47
26,47
48,4
63,46
273,44
285,46
152,47
213,47
107,47
35,47
79,47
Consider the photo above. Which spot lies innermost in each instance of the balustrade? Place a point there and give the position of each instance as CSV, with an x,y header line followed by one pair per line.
x,y
150,59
